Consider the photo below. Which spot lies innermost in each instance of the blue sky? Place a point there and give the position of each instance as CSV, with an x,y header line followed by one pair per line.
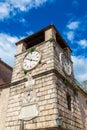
x,y
21,18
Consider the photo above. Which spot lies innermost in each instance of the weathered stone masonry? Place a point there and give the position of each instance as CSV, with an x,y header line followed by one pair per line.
x,y
49,92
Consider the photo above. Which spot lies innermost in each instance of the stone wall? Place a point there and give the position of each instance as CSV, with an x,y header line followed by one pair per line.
x,y
50,99
45,101
72,119
46,49
83,107
4,95
48,93
57,64
43,88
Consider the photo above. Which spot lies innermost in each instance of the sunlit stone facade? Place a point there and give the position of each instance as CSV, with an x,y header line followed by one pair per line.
x,y
45,96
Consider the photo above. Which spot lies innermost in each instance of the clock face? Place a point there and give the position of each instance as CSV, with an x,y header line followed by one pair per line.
x,y
65,62
31,60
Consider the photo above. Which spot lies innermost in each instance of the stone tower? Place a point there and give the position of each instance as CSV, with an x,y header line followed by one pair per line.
x,y
42,92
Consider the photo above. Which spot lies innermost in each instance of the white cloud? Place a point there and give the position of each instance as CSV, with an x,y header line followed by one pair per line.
x,y
13,6
71,31
70,35
29,33
80,68
7,47
73,25
4,10
83,43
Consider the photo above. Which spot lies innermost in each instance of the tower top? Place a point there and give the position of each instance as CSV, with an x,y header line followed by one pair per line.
x,y
39,37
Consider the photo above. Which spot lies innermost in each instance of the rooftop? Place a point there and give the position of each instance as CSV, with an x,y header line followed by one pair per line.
x,y
38,37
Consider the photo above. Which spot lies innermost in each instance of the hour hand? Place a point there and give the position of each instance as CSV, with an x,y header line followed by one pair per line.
x,y
34,60
31,59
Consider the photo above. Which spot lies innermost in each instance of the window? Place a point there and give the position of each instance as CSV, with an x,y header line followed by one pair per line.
x,y
69,101
86,102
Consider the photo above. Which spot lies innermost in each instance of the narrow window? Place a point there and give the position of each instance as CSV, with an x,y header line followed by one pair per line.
x,y
86,102
69,101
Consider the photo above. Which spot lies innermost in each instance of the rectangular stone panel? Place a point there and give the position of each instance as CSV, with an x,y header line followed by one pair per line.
x,y
28,112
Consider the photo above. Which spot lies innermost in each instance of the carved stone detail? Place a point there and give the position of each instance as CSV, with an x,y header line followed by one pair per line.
x,y
29,95
30,82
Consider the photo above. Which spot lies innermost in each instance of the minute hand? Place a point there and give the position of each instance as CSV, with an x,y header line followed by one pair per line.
x,y
31,59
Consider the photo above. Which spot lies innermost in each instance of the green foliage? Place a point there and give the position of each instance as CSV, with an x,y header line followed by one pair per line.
x,y
32,49
40,62
52,39
65,81
25,72
64,126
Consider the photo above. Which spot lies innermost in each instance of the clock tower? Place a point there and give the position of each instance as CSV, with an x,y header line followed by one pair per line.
x,y
42,92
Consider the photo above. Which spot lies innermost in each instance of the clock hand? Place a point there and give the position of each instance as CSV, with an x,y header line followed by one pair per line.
x,y
34,60
31,59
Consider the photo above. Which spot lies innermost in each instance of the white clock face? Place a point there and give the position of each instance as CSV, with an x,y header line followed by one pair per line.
x,y
31,60
65,63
